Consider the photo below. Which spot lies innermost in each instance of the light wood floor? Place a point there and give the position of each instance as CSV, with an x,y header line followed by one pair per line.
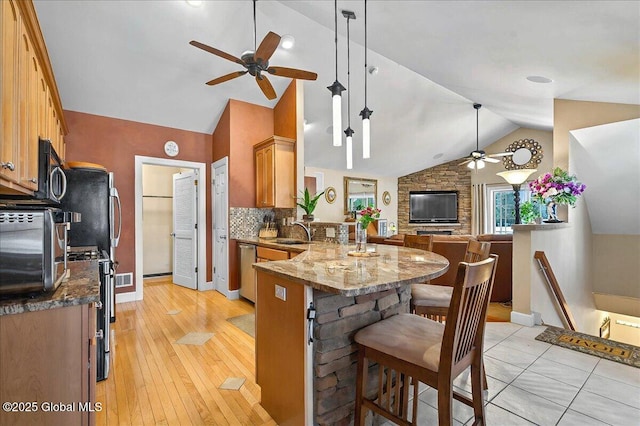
x,y
153,380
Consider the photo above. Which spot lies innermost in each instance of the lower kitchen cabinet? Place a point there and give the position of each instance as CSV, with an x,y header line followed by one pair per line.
x,y
47,367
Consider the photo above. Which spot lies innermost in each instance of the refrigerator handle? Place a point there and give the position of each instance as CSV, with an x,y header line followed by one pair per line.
x,y
116,239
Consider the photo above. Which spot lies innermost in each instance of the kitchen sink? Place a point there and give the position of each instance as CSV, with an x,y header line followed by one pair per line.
x,y
290,241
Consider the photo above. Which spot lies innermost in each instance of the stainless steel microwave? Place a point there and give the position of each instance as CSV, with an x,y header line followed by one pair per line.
x,y
52,181
33,250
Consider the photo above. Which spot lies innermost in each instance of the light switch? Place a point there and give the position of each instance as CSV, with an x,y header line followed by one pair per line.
x,y
281,293
331,232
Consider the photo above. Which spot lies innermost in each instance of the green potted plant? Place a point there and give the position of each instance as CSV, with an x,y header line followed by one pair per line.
x,y
308,204
530,212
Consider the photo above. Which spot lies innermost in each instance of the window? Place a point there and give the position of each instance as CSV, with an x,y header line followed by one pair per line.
x,y
501,206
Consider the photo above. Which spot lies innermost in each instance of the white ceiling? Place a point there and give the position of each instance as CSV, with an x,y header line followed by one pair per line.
x,y
132,60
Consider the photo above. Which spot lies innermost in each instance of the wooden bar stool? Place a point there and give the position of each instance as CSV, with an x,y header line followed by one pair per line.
x,y
410,348
432,301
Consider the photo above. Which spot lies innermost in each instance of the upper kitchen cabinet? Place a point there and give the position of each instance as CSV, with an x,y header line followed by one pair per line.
x,y
275,172
30,107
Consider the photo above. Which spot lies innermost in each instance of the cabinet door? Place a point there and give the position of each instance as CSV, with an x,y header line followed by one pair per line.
x,y
28,141
9,156
260,200
269,176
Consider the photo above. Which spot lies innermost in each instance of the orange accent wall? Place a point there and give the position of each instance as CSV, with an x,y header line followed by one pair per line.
x,y
284,120
114,143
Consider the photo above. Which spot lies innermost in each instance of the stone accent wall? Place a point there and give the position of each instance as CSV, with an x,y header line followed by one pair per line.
x,y
338,318
445,177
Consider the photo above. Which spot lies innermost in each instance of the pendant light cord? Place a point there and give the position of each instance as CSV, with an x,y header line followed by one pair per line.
x,y
365,53
348,78
477,127
335,27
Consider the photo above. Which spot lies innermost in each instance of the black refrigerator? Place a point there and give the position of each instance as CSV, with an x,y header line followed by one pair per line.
x,y
91,192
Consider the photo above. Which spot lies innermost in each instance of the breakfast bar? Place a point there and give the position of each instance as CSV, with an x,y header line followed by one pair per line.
x,y
308,309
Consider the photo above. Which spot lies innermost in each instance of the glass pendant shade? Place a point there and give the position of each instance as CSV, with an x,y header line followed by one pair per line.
x,y
337,120
366,138
349,152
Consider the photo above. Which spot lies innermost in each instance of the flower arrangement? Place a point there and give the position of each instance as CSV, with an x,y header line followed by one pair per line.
x,y
368,215
559,187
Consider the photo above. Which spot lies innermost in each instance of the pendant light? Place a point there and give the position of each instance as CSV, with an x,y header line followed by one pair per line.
x,y
366,112
336,89
349,131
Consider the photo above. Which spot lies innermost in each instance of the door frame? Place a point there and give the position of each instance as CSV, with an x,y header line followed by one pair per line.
x,y
201,260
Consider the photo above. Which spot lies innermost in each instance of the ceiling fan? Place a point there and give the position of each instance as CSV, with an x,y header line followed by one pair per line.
x,y
476,159
256,62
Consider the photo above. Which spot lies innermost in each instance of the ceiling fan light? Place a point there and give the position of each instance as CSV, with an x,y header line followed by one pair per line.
x,y
479,164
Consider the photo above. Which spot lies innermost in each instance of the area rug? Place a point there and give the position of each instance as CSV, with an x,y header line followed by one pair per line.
x,y
592,345
246,323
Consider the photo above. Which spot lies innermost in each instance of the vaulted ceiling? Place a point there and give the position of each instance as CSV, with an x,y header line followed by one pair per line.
x,y
132,60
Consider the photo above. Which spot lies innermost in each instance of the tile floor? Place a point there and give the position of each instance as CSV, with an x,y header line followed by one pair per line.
x,y
532,382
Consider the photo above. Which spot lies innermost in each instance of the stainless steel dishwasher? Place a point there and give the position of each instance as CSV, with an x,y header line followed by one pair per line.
x,y
247,273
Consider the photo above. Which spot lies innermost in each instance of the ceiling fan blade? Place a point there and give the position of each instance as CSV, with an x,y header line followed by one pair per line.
x,y
490,160
216,52
292,73
466,162
269,45
265,86
227,77
501,154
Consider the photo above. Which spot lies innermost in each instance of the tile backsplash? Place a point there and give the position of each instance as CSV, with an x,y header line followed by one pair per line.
x,y
245,222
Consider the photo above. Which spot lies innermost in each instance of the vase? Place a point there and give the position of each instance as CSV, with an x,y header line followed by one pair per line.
x,y
552,213
361,238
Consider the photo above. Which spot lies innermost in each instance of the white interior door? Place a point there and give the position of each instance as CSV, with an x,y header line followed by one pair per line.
x,y
220,227
185,229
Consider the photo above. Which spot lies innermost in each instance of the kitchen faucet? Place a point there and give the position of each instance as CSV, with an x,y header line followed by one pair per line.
x,y
306,228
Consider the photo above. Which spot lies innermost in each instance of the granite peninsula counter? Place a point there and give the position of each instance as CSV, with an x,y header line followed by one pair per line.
x,y
306,368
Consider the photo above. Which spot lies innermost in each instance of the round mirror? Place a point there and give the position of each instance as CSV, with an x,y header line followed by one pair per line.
x,y
521,156
527,154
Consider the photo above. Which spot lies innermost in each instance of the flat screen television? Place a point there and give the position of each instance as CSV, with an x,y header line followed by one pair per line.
x,y
433,206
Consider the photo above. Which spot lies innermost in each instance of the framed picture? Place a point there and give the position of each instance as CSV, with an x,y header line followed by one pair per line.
x,y
386,198
330,195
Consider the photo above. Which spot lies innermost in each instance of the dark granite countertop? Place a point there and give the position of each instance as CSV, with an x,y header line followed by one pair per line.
x,y
81,286
330,268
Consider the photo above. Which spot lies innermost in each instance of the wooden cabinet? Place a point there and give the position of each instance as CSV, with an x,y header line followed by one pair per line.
x,y
30,107
275,172
47,362
265,254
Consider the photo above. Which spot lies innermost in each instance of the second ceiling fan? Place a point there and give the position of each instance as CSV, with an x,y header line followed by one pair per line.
x,y
256,62
475,159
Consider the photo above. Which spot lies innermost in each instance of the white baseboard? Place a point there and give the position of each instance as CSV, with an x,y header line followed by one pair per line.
x,y
207,286
523,319
131,296
229,294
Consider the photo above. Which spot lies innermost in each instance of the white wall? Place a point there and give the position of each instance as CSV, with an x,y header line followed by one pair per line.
x,y
326,212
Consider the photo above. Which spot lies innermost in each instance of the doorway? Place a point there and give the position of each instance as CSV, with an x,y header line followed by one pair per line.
x,y
139,238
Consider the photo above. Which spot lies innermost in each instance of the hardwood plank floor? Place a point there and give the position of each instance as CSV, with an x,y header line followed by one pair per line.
x,y
155,381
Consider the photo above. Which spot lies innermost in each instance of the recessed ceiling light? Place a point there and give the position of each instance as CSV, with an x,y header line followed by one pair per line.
x,y
539,79
287,41
194,3
439,155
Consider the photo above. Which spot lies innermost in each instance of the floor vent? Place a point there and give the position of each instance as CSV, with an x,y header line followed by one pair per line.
x,y
124,280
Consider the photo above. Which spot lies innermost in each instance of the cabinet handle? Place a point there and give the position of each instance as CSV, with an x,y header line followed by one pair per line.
x,y
8,165
33,180
98,305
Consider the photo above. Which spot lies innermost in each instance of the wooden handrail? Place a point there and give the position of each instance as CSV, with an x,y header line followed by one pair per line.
x,y
552,282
